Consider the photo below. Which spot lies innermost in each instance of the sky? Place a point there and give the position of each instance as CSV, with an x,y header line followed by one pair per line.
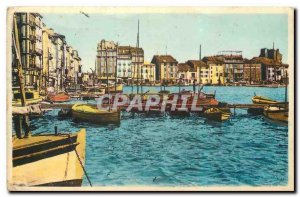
x,y
179,35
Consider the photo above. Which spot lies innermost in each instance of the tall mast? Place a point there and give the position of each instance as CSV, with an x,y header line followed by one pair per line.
x,y
19,64
132,73
116,69
286,84
136,56
107,79
199,69
94,73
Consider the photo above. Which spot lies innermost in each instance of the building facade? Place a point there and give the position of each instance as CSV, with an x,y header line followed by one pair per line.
x,y
124,63
268,70
106,58
216,70
234,65
165,67
31,49
148,72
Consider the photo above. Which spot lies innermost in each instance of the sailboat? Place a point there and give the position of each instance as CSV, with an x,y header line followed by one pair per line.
x,y
43,160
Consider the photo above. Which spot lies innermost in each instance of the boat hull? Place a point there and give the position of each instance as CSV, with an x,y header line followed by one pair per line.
x,y
262,100
217,114
59,98
105,117
279,115
62,168
113,89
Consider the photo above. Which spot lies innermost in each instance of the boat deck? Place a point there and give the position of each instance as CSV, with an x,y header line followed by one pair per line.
x,y
36,140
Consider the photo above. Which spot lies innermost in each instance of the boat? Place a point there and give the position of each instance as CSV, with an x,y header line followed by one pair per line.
x,y
217,114
276,113
90,113
59,97
48,160
164,92
92,93
32,97
263,100
115,89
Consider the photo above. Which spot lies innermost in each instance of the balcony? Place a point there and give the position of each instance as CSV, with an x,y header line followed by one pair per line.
x,y
32,38
32,24
33,66
37,52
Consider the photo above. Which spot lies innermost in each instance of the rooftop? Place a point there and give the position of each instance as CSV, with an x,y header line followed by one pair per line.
x,y
163,58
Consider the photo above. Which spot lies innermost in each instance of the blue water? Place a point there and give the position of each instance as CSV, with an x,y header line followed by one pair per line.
x,y
246,150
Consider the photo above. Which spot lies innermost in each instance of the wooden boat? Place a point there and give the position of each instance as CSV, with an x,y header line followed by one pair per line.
x,y
59,97
92,93
279,114
48,160
90,113
263,100
32,97
217,114
164,92
113,89
179,112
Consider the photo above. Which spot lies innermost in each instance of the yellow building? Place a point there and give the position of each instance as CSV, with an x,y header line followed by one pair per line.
x,y
216,70
148,72
165,67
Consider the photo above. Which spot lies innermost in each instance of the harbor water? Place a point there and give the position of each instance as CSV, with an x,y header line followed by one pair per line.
x,y
185,151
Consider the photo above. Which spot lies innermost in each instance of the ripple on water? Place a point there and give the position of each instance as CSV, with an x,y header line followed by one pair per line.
x,y
184,151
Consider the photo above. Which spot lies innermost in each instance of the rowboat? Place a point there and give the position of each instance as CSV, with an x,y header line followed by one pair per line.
x,y
217,114
279,114
48,160
263,100
59,97
32,97
90,113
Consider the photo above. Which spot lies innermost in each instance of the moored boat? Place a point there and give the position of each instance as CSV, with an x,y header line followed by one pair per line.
x,y
217,114
92,93
90,113
263,100
115,89
276,113
59,97
48,160
32,97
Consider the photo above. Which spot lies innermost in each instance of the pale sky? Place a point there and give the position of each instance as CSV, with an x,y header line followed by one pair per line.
x,y
177,34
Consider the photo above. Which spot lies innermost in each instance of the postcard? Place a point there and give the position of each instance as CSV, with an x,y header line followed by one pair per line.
x,y
150,99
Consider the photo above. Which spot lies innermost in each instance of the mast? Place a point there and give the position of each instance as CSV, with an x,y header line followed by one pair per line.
x,y
137,67
107,79
132,74
199,70
19,63
116,69
286,84
94,73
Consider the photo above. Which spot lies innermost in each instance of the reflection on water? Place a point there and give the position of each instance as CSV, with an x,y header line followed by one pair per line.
x,y
184,150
